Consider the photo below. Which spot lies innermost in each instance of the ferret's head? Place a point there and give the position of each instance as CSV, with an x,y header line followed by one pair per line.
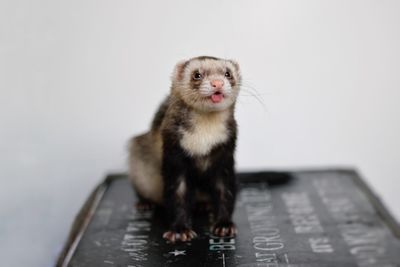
x,y
207,83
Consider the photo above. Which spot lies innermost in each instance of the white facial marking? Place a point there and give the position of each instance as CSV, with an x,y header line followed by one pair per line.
x,y
210,69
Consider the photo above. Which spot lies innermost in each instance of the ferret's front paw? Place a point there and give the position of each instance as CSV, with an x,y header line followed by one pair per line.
x,y
183,236
223,229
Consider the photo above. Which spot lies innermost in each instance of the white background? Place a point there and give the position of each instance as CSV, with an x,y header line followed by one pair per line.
x,y
78,78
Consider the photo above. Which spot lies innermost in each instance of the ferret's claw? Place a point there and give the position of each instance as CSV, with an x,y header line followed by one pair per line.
x,y
224,230
183,236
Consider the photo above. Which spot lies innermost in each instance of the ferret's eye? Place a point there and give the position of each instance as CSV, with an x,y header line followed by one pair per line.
x,y
228,75
197,75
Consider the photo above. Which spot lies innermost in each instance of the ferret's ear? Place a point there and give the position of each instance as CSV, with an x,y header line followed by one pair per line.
x,y
177,75
235,64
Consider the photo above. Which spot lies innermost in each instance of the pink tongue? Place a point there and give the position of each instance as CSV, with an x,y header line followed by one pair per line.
x,y
216,98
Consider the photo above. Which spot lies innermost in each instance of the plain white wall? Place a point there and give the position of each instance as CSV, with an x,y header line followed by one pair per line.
x,y
78,78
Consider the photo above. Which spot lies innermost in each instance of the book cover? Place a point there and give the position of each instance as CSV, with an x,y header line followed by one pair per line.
x,y
321,218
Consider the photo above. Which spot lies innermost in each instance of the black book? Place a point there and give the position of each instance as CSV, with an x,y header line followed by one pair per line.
x,y
306,218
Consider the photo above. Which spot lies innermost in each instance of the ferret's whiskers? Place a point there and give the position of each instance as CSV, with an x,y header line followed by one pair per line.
x,y
251,93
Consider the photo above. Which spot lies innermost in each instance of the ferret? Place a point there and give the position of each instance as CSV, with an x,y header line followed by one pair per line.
x,y
188,154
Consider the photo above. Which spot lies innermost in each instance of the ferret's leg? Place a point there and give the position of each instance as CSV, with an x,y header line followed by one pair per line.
x,y
223,198
178,197
178,202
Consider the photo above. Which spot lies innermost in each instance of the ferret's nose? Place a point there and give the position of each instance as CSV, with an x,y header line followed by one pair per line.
x,y
217,84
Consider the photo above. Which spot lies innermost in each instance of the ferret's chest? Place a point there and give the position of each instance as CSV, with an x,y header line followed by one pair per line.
x,y
205,133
